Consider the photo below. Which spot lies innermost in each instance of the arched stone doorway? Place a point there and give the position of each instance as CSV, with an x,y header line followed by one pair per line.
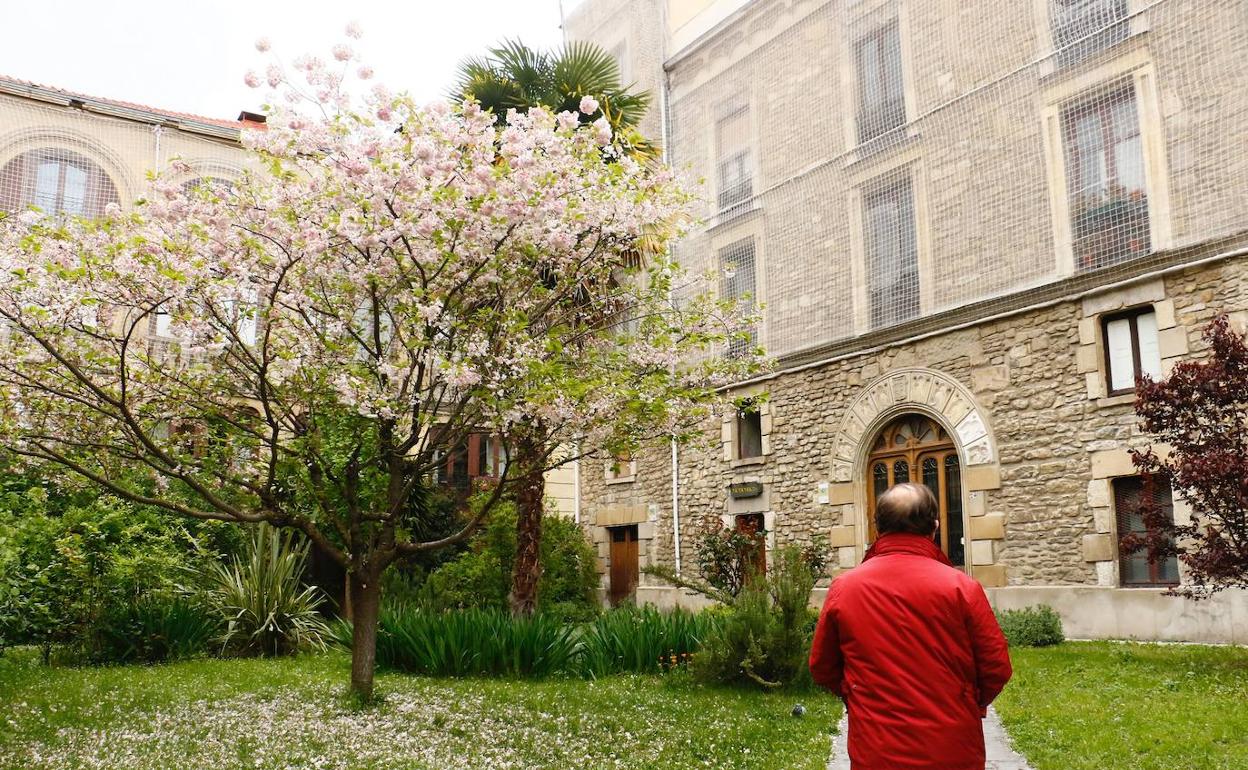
x,y
915,448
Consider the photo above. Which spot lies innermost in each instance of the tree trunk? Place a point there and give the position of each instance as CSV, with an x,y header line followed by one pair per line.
x,y
530,499
366,603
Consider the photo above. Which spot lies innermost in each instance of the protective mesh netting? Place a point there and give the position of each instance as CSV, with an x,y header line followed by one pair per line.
x,y
73,161
869,163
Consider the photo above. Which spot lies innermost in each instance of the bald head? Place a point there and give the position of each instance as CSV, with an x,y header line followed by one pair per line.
x,y
907,508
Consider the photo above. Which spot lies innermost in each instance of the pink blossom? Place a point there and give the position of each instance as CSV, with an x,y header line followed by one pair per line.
x,y
274,75
589,105
263,45
342,52
354,30
251,79
364,73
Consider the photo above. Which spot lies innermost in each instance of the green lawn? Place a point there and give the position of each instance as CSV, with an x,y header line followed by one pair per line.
x,y
292,714
1104,705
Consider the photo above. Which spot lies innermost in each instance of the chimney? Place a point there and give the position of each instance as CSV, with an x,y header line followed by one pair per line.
x,y
253,119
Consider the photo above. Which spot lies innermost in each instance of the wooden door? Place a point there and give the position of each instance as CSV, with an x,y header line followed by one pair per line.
x,y
624,569
751,524
914,448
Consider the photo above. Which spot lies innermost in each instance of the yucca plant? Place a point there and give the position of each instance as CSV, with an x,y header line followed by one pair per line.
x,y
267,611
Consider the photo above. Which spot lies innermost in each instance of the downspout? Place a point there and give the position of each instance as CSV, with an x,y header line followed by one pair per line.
x,y
666,132
576,486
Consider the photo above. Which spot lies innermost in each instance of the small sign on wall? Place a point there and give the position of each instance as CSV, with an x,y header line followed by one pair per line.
x,y
823,495
745,489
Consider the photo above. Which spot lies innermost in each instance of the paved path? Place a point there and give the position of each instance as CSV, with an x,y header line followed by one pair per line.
x,y
1000,755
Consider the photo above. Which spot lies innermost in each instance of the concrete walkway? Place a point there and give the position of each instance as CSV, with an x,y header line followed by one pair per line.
x,y
1000,755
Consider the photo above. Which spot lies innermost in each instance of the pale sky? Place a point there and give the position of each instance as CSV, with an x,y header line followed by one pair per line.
x,y
191,55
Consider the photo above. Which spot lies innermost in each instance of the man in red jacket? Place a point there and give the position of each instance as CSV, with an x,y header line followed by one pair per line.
x,y
912,647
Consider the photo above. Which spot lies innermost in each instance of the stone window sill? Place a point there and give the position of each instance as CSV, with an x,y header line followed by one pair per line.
x,y
745,462
622,480
1118,400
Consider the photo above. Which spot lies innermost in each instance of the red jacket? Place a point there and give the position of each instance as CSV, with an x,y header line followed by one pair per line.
x,y
912,647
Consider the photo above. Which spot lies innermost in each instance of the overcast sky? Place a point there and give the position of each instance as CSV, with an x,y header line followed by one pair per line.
x,y
191,55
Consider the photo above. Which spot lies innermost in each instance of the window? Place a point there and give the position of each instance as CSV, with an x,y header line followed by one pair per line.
x,y
1131,349
1138,568
162,324
749,432
476,456
736,182
736,265
881,101
891,253
1082,28
1105,179
621,467
213,185
619,52
59,182
243,316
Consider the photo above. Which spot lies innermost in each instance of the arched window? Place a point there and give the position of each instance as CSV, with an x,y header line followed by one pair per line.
x,y
58,181
213,184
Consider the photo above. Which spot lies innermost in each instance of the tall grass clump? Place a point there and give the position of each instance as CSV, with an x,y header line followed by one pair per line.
x,y
642,640
475,643
156,628
266,608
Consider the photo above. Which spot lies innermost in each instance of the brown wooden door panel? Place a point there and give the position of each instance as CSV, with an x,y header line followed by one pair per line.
x,y
625,563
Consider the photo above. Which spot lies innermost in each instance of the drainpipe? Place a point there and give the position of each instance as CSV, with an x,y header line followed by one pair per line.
x,y
665,129
576,486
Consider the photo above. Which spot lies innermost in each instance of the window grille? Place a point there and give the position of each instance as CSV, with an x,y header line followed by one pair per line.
x,y
1084,28
891,251
736,181
1105,178
881,100
737,282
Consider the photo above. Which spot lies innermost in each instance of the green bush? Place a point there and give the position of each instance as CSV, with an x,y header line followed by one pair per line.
x,y
264,606
1038,626
642,640
480,578
156,628
763,637
71,563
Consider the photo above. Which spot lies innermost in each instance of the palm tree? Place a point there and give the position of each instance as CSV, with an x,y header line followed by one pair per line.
x,y
514,76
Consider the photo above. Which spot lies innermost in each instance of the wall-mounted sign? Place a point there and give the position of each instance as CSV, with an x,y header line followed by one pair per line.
x,y
745,489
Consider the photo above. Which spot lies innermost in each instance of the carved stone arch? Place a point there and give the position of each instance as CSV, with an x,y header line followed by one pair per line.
x,y
925,391
943,399
20,141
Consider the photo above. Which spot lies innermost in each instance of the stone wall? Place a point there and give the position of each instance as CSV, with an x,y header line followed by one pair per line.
x,y
1038,439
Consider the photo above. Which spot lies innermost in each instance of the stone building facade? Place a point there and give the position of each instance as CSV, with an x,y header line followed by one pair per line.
x,y
967,228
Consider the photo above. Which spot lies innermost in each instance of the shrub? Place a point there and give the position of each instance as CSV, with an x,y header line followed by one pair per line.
x,y
629,639
70,564
265,608
480,578
764,634
156,628
1038,626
